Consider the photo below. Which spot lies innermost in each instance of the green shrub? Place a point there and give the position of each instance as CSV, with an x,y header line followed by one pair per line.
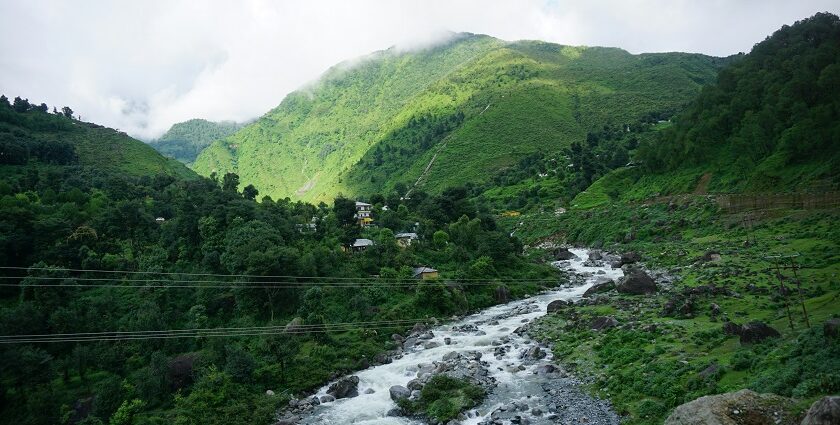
x,y
444,397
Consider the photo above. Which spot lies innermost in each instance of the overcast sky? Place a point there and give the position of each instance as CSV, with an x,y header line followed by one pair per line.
x,y
141,66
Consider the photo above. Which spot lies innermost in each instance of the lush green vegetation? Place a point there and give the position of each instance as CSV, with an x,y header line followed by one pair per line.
x,y
125,249
655,364
184,140
772,120
131,241
443,398
29,134
475,104
671,346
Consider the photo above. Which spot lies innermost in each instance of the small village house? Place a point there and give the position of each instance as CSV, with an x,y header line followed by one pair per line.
x,y
360,245
425,273
363,212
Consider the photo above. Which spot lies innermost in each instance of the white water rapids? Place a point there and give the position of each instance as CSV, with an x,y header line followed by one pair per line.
x,y
499,322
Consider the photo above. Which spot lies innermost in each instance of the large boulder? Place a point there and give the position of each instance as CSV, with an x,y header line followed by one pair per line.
x,y
399,392
636,282
627,258
595,255
562,254
555,306
831,328
630,258
825,411
757,331
600,286
736,408
731,328
603,322
345,387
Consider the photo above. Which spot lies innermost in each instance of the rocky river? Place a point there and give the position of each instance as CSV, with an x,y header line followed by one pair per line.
x,y
490,349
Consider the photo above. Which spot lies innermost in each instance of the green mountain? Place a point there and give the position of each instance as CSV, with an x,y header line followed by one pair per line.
x,y
447,115
770,123
29,134
736,198
184,140
772,120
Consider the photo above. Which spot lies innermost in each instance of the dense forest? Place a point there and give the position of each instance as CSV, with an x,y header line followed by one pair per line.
x,y
770,116
88,250
185,140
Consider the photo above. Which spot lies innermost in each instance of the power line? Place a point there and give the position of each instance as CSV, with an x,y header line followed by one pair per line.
x,y
230,275
239,285
203,332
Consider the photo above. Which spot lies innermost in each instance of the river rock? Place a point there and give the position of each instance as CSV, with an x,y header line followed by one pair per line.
x,y
831,328
452,355
825,411
636,282
603,322
562,254
398,392
345,387
601,285
757,331
415,384
555,305
292,420
327,399
626,258
734,408
534,353
595,255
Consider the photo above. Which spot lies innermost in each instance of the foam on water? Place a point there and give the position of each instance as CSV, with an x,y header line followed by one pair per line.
x,y
512,384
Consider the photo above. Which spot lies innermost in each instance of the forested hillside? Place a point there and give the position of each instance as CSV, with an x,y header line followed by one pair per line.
x,y
31,136
451,114
185,140
94,245
770,122
737,200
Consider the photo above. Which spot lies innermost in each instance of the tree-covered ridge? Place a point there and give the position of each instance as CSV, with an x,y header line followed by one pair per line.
x,y
771,121
30,134
185,140
474,104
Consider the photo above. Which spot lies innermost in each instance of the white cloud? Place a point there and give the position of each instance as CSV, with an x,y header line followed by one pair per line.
x,y
142,66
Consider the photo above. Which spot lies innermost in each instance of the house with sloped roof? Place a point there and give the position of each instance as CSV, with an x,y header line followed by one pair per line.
x,y
425,273
360,245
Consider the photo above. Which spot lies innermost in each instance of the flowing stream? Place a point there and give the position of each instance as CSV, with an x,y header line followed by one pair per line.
x,y
521,394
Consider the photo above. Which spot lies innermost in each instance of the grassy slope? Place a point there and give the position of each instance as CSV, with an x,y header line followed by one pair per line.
x,y
318,131
185,140
540,96
96,146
